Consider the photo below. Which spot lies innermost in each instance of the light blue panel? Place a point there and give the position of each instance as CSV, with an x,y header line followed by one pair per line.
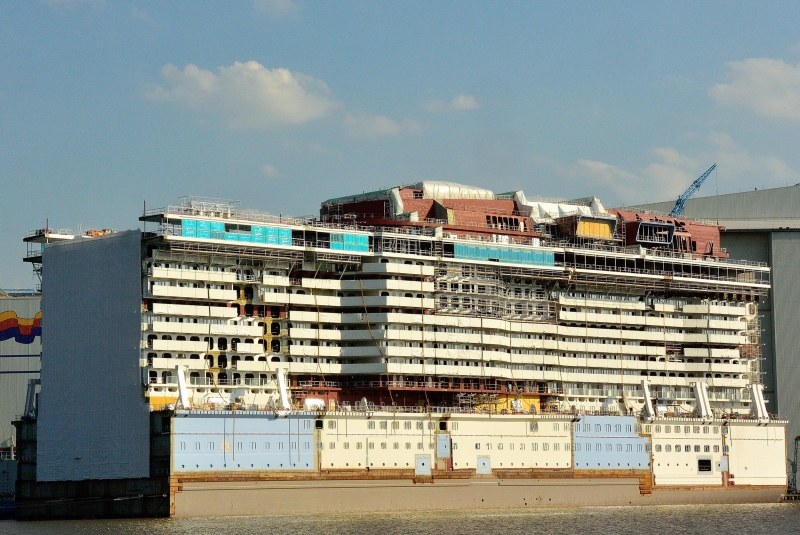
x,y
203,233
549,258
189,223
260,238
527,257
482,253
204,225
189,232
492,253
257,231
460,251
516,256
231,236
217,226
207,442
609,443
504,255
245,237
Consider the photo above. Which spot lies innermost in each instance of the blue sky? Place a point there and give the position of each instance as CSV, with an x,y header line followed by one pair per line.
x,y
284,103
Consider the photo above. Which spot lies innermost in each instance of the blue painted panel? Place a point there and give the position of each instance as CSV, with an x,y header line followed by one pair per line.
x,y
217,226
242,441
189,223
203,233
610,443
189,232
245,237
230,236
204,225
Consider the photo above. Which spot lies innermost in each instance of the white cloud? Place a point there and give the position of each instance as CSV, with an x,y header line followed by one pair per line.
x,y
374,126
271,171
459,103
277,8
770,87
247,95
672,172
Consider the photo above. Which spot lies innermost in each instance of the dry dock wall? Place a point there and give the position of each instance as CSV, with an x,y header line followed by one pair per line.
x,y
210,498
93,421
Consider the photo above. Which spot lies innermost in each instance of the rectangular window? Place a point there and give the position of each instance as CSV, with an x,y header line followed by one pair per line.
x,y
395,425
697,448
211,445
197,445
408,445
566,446
545,446
419,445
371,445
266,445
238,445
577,447
332,445
687,448
371,424
477,445
667,429
420,425
534,426
359,445
306,445
658,448
332,424
716,449
319,445
535,446
383,424
280,445
522,445
706,449
294,445
407,425
555,427
704,465
667,448
183,445
347,445
455,426
253,445
628,447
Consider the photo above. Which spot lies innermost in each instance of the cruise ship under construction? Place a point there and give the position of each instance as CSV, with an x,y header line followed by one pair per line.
x,y
432,345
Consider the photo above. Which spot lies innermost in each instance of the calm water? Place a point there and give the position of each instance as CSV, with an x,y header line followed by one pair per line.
x,y
662,520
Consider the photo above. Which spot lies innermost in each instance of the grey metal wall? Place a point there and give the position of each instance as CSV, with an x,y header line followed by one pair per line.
x,y
93,419
18,363
786,313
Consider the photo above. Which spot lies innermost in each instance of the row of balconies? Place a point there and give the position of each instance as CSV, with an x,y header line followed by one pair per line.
x,y
351,302
203,328
728,310
185,292
368,284
650,321
198,347
192,275
168,309
306,368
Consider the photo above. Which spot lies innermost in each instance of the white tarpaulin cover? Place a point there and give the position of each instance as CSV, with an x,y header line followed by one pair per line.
x,y
433,189
541,211
93,420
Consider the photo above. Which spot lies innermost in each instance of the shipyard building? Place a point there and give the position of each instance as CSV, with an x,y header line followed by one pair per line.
x,y
428,332
763,226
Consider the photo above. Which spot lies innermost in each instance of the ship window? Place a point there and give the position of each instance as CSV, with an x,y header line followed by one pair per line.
x,y
725,448
197,445
667,428
419,445
667,448
716,449
697,448
545,446
705,429
332,446
347,445
420,425
371,425
332,424
371,445
706,449
555,427
359,445
687,448
704,465
500,446
598,428
534,426
455,426
408,445
566,446
577,447
383,424
407,425
646,447
658,448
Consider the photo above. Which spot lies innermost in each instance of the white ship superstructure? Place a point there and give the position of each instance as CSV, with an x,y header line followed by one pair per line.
x,y
430,313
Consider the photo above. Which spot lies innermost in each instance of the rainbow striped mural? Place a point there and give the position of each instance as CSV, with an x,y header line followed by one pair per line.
x,y
22,330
